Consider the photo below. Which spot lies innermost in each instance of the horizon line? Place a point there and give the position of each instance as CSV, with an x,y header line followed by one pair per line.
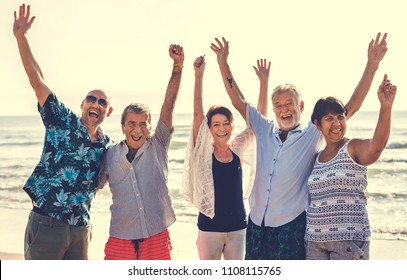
x,y
180,113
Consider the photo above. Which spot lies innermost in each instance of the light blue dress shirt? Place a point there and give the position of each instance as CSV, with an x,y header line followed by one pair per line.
x,y
280,191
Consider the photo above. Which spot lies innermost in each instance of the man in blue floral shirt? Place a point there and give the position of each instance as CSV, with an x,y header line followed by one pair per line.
x,y
64,181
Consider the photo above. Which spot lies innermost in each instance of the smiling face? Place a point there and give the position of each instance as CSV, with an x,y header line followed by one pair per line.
x,y
287,108
221,128
136,128
95,108
329,116
333,127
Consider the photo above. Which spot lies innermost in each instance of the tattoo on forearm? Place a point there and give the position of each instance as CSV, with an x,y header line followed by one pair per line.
x,y
230,81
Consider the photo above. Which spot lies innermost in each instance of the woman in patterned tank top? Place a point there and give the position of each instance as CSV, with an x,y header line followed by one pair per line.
x,y
337,220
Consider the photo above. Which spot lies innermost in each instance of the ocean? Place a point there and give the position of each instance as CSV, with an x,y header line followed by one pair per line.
x,y
21,139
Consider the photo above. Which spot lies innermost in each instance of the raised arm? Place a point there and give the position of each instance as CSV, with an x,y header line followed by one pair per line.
x,y
376,51
177,54
368,151
262,71
199,67
20,27
221,50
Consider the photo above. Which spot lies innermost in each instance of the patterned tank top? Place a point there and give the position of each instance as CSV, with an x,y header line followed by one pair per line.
x,y
337,209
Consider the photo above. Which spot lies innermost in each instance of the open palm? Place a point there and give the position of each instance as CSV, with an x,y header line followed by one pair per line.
x,y
377,48
23,22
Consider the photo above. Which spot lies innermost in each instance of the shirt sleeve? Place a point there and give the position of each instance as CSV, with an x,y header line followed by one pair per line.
x,y
53,111
256,121
163,134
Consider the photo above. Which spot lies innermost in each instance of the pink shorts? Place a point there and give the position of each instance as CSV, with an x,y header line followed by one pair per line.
x,y
156,247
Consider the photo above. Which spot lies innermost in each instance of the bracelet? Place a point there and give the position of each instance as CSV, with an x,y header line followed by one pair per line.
x,y
179,65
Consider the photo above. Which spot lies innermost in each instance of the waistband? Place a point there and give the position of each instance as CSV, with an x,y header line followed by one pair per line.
x,y
46,220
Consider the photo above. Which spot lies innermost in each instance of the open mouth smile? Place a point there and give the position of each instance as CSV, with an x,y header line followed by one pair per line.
x,y
136,138
93,114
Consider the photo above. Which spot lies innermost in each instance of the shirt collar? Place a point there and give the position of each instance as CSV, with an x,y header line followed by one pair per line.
x,y
140,151
298,129
101,136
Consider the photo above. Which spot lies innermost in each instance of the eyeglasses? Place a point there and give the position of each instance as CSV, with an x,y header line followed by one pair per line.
x,y
92,99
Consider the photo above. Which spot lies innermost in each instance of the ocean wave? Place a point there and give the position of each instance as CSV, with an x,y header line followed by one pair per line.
x,y
9,180
389,172
15,167
377,195
177,145
397,145
16,144
393,160
15,188
390,233
180,161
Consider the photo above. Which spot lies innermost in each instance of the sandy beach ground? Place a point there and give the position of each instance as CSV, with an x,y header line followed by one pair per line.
x,y
183,236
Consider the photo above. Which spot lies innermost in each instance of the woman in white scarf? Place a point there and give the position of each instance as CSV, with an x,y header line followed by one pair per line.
x,y
213,169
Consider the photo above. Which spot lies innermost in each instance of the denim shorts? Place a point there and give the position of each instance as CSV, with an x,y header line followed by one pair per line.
x,y
337,250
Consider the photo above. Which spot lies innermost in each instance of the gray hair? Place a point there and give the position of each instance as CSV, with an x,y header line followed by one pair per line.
x,y
137,108
287,87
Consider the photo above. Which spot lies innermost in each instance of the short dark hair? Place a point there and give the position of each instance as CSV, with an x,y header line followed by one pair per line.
x,y
327,105
137,108
216,109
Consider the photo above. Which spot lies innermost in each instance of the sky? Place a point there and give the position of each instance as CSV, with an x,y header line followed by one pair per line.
x,y
121,46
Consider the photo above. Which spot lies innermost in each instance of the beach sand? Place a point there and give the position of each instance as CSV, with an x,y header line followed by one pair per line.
x,y
183,236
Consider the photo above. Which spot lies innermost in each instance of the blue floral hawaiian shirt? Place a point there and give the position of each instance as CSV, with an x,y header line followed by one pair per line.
x,y
64,181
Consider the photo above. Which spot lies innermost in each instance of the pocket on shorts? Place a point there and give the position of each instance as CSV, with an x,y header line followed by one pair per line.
x,y
356,249
34,233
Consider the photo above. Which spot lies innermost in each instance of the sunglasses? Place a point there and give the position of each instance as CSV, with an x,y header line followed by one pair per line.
x,y
92,99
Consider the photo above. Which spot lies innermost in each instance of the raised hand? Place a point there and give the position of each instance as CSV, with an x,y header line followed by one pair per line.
x,y
199,64
221,49
387,91
377,49
177,54
263,69
23,22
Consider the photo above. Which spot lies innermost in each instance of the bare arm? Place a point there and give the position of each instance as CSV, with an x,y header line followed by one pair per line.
x,y
166,116
21,25
199,67
368,151
263,71
376,51
221,50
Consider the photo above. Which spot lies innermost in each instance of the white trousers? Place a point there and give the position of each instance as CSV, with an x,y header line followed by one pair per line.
x,y
212,245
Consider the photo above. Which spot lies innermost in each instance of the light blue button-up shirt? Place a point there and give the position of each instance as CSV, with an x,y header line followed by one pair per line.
x,y
280,191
